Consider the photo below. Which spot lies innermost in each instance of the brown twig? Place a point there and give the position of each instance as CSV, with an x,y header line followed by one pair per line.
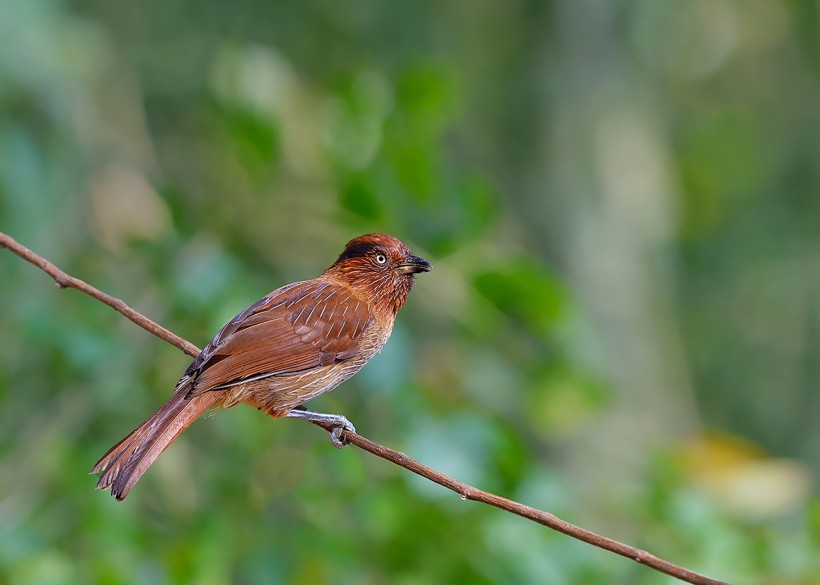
x,y
467,492
63,280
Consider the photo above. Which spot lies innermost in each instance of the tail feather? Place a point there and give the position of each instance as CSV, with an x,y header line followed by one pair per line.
x,y
125,462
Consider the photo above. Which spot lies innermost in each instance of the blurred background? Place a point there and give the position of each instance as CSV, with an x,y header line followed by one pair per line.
x,y
620,200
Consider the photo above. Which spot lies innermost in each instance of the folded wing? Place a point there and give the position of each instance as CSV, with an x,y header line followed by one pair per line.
x,y
296,328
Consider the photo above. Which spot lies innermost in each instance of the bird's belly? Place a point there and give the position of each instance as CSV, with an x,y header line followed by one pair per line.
x,y
277,394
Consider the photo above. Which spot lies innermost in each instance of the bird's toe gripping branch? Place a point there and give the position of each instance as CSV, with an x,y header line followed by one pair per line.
x,y
337,422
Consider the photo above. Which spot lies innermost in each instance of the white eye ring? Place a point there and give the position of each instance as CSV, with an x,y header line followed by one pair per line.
x,y
380,258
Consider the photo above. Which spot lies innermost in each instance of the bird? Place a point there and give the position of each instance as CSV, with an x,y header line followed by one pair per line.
x,y
297,342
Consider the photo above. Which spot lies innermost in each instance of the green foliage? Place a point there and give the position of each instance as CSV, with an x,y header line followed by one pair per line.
x,y
621,327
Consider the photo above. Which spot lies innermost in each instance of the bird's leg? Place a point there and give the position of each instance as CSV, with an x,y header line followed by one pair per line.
x,y
337,421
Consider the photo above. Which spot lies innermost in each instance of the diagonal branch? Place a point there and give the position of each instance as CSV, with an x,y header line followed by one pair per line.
x,y
63,280
467,492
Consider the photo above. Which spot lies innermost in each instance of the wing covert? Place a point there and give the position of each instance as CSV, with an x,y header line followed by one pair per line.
x,y
295,328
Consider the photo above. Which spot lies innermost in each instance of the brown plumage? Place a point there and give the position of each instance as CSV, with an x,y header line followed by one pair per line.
x,y
297,342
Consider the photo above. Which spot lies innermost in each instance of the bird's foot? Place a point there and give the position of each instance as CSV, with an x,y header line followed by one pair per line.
x,y
339,424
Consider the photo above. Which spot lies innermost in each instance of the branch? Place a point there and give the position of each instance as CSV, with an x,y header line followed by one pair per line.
x,y
467,492
63,280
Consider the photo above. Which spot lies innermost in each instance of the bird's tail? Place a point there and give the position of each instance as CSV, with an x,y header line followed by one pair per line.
x,y
126,461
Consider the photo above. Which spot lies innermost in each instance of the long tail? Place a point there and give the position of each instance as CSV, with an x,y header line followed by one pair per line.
x,y
126,461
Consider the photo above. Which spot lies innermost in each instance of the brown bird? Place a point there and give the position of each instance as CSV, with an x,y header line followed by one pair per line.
x,y
299,341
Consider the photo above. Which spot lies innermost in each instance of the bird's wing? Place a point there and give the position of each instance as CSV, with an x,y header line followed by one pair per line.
x,y
296,328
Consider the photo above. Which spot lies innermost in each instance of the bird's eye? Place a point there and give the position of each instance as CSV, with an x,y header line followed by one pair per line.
x,y
380,259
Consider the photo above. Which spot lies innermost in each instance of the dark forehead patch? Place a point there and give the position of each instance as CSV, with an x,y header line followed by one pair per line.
x,y
357,249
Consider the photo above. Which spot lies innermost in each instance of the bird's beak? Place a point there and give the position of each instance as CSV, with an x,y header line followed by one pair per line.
x,y
414,265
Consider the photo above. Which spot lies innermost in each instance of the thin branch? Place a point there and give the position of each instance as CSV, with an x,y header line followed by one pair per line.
x,y
63,280
467,492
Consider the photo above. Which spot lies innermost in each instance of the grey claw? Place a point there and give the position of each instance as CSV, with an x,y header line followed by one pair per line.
x,y
339,423
337,434
337,438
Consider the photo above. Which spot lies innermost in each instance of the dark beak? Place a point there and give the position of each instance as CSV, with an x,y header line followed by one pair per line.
x,y
414,265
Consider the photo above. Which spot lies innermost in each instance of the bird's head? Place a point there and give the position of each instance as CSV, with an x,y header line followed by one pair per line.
x,y
380,268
